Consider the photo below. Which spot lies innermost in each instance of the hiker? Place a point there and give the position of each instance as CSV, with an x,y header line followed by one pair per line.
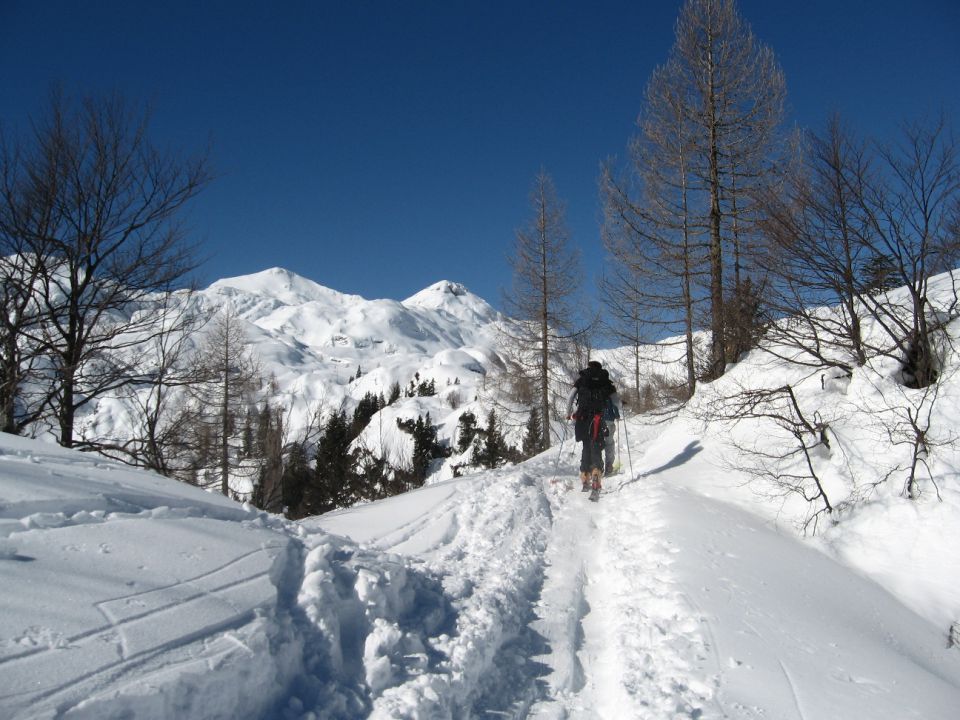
x,y
589,395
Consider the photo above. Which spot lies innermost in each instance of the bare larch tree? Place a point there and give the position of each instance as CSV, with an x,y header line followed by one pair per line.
x,y
546,280
228,376
686,206
734,91
652,231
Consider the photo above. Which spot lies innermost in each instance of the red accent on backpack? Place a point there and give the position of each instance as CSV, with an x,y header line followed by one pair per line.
x,y
595,427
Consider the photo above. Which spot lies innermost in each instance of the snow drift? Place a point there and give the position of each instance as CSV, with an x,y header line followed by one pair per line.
x,y
684,593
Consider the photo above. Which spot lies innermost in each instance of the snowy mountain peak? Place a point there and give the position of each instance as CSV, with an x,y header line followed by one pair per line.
x,y
439,293
454,299
282,285
324,349
447,287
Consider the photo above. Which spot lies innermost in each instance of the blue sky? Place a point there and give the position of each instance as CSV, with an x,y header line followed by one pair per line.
x,y
377,147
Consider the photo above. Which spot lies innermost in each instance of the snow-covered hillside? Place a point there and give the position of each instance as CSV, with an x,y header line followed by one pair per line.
x,y
313,339
326,350
688,591
502,594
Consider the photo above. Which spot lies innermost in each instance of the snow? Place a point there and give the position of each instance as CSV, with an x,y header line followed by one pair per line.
x,y
682,593
311,340
502,592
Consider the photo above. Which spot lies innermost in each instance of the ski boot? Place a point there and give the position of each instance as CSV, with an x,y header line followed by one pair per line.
x,y
595,484
585,480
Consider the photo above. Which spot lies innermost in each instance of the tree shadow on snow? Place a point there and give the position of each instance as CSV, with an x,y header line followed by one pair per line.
x,y
681,458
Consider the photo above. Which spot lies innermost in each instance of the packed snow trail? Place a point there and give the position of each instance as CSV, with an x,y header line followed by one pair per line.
x,y
663,603
565,608
485,538
622,635
655,603
497,595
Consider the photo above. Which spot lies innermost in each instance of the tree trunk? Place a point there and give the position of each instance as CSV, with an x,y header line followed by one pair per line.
x,y
717,340
225,437
544,345
9,382
67,410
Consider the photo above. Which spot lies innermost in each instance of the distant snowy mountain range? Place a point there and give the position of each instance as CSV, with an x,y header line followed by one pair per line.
x,y
326,350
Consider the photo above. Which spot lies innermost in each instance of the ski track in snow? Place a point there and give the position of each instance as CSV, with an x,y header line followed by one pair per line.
x,y
187,626
648,650
623,640
504,595
562,608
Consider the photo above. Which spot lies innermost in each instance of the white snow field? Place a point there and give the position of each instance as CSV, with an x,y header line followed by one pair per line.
x,y
502,594
687,592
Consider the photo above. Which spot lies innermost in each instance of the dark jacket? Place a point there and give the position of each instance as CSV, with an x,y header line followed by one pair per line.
x,y
591,379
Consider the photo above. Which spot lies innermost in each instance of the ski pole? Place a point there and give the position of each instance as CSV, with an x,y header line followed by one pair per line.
x,y
556,467
617,464
626,440
620,443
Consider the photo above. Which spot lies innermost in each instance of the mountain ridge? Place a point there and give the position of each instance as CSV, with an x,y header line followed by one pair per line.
x,y
322,350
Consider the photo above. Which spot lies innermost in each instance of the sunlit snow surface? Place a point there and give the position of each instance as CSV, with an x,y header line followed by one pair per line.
x,y
681,594
127,595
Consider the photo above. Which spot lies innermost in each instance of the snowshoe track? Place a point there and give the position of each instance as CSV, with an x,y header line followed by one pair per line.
x,y
624,641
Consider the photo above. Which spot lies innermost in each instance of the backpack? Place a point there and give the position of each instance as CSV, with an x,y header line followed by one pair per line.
x,y
592,393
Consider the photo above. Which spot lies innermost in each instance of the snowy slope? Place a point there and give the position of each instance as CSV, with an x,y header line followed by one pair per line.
x,y
500,594
312,340
686,592
129,595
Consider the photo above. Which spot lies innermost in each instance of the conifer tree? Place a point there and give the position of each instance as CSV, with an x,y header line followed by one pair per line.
x,y
492,448
333,482
533,437
395,392
368,406
466,430
424,446
378,478
297,476
426,388
879,273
